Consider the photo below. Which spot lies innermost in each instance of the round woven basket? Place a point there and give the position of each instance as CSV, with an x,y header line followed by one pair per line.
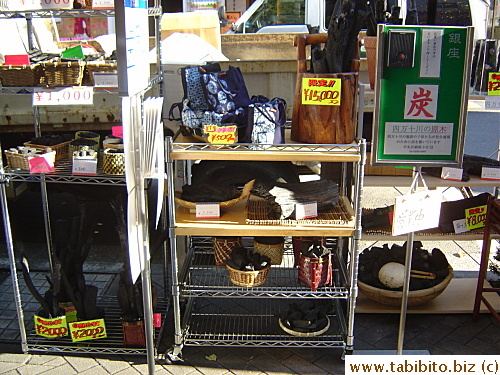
x,y
304,334
223,246
415,297
248,278
113,162
274,251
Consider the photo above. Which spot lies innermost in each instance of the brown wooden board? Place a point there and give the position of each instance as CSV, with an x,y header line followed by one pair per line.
x,y
457,298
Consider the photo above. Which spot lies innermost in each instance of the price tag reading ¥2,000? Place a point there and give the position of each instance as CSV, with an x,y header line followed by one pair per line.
x,y
321,91
475,217
87,330
207,210
306,210
83,95
55,327
415,212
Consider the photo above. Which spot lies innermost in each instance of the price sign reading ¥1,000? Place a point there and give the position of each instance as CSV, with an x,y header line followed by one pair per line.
x,y
321,91
76,95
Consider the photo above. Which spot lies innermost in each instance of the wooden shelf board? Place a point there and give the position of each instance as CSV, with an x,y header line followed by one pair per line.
x,y
233,223
446,303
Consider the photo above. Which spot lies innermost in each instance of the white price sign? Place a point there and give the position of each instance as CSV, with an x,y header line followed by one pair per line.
x,y
306,210
449,173
415,212
84,166
490,173
82,95
208,210
492,102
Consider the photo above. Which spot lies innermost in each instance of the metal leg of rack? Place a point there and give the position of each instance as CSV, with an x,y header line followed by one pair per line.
x,y
354,252
12,261
175,353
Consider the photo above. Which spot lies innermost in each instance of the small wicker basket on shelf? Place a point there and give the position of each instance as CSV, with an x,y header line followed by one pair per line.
x,y
272,247
61,149
113,161
17,160
248,278
21,75
97,67
223,246
64,73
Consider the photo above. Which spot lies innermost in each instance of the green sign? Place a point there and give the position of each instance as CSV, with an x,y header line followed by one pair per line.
x,y
421,95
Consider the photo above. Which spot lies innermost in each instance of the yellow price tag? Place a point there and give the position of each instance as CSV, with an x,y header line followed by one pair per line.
x,y
321,91
225,134
56,327
494,84
87,330
475,217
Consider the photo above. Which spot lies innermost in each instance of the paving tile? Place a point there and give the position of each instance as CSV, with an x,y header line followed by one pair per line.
x,y
65,369
456,348
33,369
180,369
112,365
14,357
6,367
489,348
268,364
302,367
81,364
128,371
332,363
277,353
97,370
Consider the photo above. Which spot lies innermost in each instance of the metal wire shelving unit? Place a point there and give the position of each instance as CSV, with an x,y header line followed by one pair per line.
x,y
209,309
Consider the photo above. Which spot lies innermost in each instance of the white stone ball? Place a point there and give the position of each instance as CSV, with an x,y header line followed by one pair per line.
x,y
392,275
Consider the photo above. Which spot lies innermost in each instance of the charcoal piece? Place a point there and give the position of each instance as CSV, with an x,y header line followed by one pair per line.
x,y
231,263
255,260
298,323
380,217
472,165
88,135
83,142
206,192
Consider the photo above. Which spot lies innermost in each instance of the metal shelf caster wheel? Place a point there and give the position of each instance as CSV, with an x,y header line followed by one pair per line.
x,y
173,356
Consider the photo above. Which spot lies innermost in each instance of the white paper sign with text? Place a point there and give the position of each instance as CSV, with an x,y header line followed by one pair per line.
x,y
82,95
415,212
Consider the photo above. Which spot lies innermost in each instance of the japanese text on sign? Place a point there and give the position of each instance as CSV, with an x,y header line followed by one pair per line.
x,y
415,212
403,138
494,84
55,327
221,134
83,95
421,102
87,330
430,59
475,217
321,91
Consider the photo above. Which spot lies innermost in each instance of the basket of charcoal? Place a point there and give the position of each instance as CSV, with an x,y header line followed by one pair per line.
x,y
207,192
315,264
382,272
58,143
21,75
247,268
307,319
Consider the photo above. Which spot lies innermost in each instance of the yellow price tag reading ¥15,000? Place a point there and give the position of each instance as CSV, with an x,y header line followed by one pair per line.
x,y
321,91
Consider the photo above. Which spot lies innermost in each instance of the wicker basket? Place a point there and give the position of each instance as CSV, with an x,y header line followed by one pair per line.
x,y
415,297
21,75
274,248
17,160
315,272
64,73
61,149
223,247
304,334
97,67
113,162
248,278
